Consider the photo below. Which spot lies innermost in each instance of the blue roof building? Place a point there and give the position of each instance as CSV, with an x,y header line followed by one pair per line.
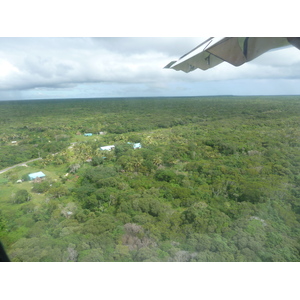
x,y
137,146
88,134
35,175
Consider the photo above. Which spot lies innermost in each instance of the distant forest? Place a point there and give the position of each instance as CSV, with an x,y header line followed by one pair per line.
x,y
216,179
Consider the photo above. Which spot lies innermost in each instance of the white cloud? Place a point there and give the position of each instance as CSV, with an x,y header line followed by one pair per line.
x,y
68,63
7,73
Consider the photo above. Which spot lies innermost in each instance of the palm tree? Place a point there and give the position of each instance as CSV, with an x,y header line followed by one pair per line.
x,y
157,160
137,162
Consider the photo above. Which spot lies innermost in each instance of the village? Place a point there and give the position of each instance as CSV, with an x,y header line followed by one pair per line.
x,y
39,176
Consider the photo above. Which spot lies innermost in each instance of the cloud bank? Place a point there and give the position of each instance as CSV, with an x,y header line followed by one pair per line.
x,y
116,67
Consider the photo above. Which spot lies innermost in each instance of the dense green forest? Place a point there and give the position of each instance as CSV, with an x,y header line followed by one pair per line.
x,y
216,179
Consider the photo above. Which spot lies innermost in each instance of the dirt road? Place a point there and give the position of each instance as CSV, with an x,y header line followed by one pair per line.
x,y
20,164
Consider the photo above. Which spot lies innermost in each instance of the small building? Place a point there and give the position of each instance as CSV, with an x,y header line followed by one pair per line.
x,y
88,134
33,176
137,146
108,148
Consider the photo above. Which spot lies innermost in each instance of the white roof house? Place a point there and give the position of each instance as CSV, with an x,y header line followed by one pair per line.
x,y
110,147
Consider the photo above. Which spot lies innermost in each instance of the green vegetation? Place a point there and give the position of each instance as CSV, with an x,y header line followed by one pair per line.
x,y
216,179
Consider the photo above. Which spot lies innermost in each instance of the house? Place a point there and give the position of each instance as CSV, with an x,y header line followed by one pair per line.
x,y
33,176
135,145
108,148
88,134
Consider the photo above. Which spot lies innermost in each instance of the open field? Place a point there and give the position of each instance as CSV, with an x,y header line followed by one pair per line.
x,y
216,179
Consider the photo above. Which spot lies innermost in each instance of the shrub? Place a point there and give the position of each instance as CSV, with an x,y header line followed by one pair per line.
x,y
21,196
165,175
41,187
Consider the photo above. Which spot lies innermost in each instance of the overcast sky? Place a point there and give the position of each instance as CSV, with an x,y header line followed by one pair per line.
x,y
38,68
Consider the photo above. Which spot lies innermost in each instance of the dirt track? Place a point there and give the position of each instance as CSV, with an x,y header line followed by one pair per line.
x,y
20,164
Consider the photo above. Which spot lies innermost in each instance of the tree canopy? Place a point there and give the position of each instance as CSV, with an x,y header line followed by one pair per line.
x,y
216,179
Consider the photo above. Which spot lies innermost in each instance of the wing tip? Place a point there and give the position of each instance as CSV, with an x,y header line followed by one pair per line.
x,y
170,64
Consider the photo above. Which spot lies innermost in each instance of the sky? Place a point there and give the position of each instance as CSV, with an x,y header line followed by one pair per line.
x,y
63,49
75,67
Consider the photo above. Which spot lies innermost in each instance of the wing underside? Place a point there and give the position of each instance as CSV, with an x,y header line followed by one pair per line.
x,y
234,50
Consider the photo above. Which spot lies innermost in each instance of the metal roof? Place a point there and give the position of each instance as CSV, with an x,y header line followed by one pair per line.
x,y
107,147
137,145
37,174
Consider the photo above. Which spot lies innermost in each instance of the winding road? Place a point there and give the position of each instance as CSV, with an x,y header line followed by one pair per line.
x,y
20,164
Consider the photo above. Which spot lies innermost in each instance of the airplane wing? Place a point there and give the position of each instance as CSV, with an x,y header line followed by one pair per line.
x,y
234,50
